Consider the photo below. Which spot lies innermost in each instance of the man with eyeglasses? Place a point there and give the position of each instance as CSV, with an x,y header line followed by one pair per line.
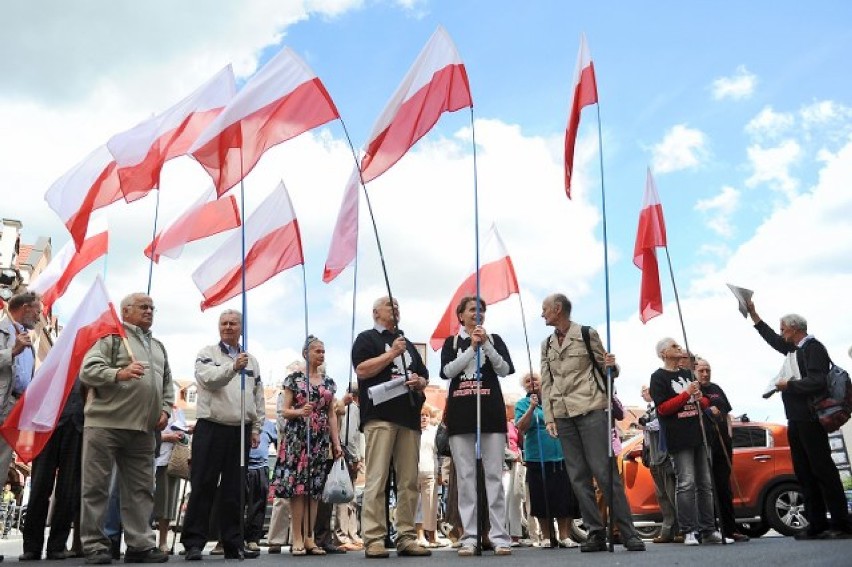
x,y
130,395
17,359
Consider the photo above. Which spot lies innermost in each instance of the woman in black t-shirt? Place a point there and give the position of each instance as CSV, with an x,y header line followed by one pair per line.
x,y
679,404
458,365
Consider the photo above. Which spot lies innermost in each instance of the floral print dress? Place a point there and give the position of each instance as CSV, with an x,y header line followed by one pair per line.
x,y
296,472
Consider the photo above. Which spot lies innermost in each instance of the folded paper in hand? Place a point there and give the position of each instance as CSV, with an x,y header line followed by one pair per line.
x,y
743,296
789,371
387,390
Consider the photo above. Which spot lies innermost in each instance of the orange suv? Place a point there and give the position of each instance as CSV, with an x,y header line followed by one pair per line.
x,y
766,493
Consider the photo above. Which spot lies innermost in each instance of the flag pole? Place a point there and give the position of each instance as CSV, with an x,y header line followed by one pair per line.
x,y
480,472
381,253
243,469
707,453
611,464
306,526
153,242
554,544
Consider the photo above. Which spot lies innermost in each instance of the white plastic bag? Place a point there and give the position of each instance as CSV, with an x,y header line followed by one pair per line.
x,y
338,486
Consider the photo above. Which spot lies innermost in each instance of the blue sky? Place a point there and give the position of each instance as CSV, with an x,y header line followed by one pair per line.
x,y
743,111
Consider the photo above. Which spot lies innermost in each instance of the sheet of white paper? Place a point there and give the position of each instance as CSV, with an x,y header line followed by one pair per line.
x,y
385,391
743,296
789,371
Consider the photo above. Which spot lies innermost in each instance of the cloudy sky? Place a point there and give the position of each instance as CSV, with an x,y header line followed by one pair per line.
x,y
742,110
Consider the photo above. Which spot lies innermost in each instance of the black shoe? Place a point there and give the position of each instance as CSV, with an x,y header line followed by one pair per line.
x,y
99,558
151,555
29,556
57,555
595,542
193,554
634,543
115,547
333,549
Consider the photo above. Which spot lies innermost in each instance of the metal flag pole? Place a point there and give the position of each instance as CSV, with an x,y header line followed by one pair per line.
x,y
306,526
481,497
153,243
243,469
381,253
611,464
554,543
707,454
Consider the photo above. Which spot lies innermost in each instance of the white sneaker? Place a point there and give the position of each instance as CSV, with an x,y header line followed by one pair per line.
x,y
690,539
568,543
467,551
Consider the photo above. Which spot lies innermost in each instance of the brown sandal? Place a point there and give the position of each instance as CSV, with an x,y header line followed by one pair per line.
x,y
316,550
297,550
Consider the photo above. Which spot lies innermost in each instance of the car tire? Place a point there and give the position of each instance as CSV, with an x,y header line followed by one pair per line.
x,y
753,529
649,532
784,510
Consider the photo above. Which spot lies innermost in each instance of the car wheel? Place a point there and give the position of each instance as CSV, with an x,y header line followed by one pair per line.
x,y
753,529
578,530
785,510
649,532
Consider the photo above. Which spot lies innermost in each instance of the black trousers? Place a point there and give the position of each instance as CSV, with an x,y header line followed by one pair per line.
x,y
57,465
818,476
257,490
215,461
722,455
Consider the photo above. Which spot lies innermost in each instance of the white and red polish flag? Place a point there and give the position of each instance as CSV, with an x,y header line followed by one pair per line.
x,y
273,244
33,419
585,93
436,83
54,280
497,281
344,239
141,151
205,217
650,234
282,100
88,186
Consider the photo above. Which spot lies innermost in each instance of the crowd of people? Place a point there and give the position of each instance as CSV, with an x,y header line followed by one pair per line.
x,y
108,463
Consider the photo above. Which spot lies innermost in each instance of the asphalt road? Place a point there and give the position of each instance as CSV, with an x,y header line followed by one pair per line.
x,y
763,552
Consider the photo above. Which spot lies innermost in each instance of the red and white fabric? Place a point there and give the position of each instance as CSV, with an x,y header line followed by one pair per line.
x,y
650,234
90,185
497,281
33,419
141,152
436,83
344,239
54,280
205,217
282,100
585,92
273,244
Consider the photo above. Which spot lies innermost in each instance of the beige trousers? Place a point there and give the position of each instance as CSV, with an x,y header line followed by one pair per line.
x,y
386,441
133,453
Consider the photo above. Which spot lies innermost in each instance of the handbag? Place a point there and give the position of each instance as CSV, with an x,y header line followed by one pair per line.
x,y
617,406
178,466
338,487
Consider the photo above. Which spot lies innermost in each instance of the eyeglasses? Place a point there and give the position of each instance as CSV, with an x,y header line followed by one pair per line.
x,y
145,307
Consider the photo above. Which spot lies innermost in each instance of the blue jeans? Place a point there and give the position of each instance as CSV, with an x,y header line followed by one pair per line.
x,y
694,490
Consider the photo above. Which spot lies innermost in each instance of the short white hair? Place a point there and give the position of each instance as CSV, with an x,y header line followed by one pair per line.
x,y
795,321
663,344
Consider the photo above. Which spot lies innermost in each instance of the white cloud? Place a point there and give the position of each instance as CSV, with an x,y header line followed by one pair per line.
x,y
769,124
738,86
682,147
718,211
772,166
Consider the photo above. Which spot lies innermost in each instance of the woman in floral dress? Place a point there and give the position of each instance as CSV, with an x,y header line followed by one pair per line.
x,y
300,473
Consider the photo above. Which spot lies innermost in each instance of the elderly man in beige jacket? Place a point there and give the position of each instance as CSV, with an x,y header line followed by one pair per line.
x,y
575,411
130,395
216,441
